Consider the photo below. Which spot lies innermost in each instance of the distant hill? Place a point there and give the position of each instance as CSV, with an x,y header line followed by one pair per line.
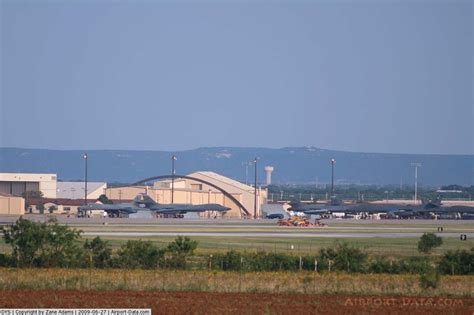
x,y
292,165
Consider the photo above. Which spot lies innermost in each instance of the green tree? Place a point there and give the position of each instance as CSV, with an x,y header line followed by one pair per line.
x,y
42,244
179,249
429,279
40,207
103,198
459,262
5,260
32,194
52,208
139,254
60,246
344,258
428,241
25,238
99,253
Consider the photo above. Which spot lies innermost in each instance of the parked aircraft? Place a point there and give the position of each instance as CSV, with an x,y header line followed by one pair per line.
x,y
316,208
426,209
144,202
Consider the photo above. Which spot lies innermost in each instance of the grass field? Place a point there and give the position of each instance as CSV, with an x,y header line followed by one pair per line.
x,y
204,281
386,246
390,247
285,241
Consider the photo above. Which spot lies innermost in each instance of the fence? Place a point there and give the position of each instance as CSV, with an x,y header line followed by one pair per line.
x,y
204,281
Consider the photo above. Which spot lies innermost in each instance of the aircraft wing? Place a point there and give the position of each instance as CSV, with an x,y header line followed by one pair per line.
x,y
306,208
184,208
316,211
379,208
126,208
454,209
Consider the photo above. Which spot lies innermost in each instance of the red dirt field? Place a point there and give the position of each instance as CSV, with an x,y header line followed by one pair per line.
x,y
235,303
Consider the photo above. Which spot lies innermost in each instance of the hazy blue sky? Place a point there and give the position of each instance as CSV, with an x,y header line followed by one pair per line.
x,y
379,76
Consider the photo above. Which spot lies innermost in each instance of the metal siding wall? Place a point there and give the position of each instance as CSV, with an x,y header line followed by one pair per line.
x,y
18,188
5,188
32,186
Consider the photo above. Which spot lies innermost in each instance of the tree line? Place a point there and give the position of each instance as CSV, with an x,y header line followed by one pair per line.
x,y
52,245
49,244
365,192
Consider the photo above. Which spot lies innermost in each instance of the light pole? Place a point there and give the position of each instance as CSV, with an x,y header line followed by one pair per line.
x,y
85,179
247,164
333,161
173,158
416,165
255,190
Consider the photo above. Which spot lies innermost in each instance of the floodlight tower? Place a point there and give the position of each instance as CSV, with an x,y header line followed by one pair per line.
x,y
255,190
173,172
268,171
333,162
85,179
416,165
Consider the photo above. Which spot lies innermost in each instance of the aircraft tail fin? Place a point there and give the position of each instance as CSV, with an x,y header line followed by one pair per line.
x,y
144,199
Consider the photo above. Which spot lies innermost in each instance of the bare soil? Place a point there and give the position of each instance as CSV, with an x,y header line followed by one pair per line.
x,y
235,303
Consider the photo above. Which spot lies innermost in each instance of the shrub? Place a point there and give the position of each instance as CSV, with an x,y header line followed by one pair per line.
x,y
428,241
179,249
99,252
344,258
139,254
43,244
262,261
231,261
383,265
414,265
53,208
429,279
459,262
5,260
60,246
40,207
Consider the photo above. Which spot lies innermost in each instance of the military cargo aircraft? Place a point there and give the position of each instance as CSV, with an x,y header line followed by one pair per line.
x,y
143,202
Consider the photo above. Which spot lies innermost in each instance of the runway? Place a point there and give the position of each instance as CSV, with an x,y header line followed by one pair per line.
x,y
267,235
261,228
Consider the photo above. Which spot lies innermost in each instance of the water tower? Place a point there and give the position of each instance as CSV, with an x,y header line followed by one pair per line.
x,y
268,171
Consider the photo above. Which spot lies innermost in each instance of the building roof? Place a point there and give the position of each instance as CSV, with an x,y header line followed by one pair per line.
x,y
211,176
57,201
27,177
75,190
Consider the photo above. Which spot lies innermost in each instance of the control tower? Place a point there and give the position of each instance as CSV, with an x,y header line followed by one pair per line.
x,y
268,171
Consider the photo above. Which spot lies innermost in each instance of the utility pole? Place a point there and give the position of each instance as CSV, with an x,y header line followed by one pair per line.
x,y
416,165
173,158
85,180
255,190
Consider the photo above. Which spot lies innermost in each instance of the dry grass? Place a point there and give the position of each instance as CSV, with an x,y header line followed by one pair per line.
x,y
204,281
